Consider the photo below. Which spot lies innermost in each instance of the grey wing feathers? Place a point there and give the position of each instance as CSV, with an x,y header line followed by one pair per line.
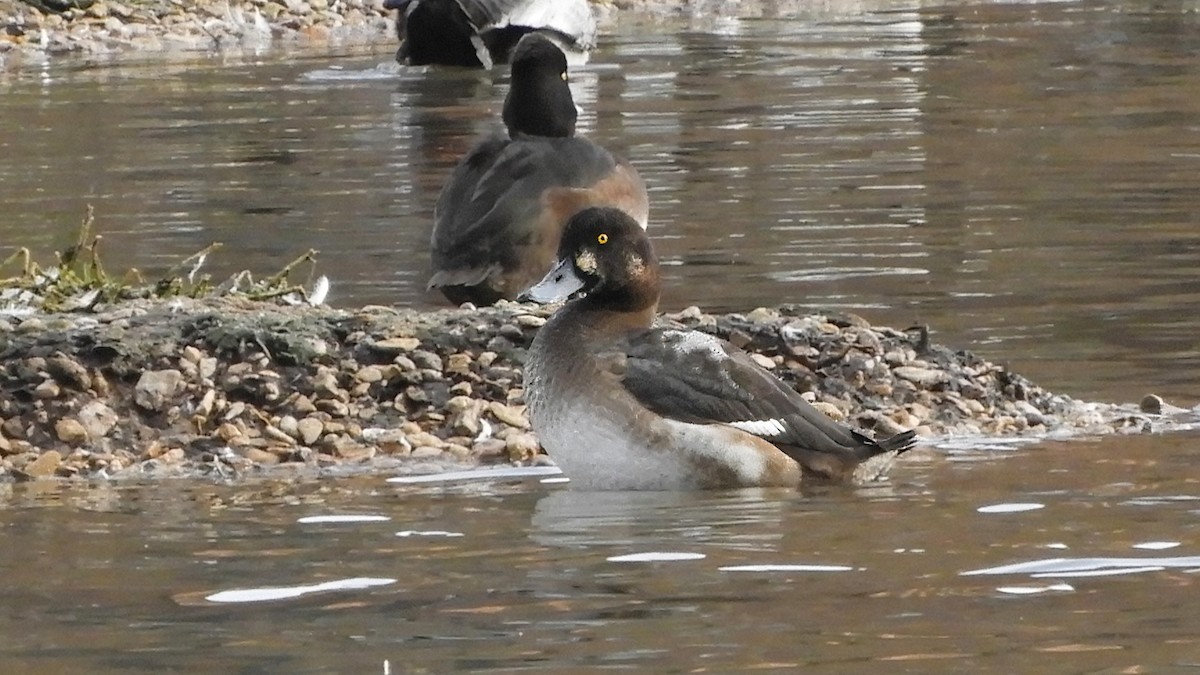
x,y
494,193
694,377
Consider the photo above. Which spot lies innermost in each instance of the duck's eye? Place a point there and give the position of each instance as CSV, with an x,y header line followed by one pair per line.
x,y
603,238
564,76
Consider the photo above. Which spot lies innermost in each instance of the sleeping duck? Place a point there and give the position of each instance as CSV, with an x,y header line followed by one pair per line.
x,y
499,217
620,405
478,33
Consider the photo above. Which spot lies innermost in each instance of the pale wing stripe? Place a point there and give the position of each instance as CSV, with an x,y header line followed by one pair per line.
x,y
772,427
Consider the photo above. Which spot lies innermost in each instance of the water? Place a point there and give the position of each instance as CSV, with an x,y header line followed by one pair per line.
x,y
1021,177
516,575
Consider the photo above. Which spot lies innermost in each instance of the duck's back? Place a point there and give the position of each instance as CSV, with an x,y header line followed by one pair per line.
x,y
499,218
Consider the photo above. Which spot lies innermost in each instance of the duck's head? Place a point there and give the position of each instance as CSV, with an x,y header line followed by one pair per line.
x,y
539,101
605,255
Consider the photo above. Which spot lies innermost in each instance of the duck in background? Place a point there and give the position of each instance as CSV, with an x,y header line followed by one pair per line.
x,y
478,33
620,405
499,217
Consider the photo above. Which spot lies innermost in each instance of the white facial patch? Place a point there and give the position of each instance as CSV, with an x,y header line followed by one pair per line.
x,y
635,264
586,261
764,428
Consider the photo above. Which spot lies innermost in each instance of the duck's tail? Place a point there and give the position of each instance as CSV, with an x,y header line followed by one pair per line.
x,y
880,456
869,460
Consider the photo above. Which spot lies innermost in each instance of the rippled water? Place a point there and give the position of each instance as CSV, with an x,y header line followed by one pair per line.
x,y
1063,558
1022,177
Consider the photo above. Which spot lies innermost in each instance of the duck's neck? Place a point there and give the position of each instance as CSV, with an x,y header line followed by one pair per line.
x,y
633,310
540,109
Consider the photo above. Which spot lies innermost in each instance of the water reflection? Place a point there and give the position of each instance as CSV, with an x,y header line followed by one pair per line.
x,y
305,577
1017,175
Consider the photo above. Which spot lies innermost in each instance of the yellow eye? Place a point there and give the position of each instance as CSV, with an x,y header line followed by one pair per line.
x,y
603,238
564,76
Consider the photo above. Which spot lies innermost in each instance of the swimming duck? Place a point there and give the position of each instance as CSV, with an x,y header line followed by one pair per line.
x,y
483,32
621,405
499,217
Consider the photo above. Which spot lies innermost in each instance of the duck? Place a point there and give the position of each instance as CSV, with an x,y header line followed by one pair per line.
x,y
621,404
481,33
499,217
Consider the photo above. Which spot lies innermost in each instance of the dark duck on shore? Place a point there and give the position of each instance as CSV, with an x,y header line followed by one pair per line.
x,y
620,405
499,218
478,33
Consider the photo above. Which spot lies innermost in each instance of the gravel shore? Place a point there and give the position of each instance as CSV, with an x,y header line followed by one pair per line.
x,y
38,30
229,387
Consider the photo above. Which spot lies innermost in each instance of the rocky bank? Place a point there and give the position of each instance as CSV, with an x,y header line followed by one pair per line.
x,y
229,387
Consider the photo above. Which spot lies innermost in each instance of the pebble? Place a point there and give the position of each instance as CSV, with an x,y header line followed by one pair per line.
x,y
925,377
47,390
310,429
396,345
70,431
44,466
156,388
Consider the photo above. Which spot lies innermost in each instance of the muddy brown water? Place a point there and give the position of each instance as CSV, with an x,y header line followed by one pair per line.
x,y
1021,177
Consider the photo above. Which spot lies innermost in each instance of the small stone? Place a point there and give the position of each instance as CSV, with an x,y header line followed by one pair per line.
x,y
427,360
278,435
396,345
70,431
47,390
192,355
13,428
369,374
288,425
207,367
173,456
1151,404
762,360
68,371
155,389
354,452
228,432
310,429
459,363
425,452
763,315
44,466
490,448
325,381
259,456
234,411
333,407
925,377
521,447
303,405
831,411
513,416
424,438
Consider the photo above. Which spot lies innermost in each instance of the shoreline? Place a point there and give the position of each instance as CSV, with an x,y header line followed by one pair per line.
x,y
230,388
168,29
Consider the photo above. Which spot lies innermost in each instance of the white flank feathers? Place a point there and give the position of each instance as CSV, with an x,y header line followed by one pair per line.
x,y
772,427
